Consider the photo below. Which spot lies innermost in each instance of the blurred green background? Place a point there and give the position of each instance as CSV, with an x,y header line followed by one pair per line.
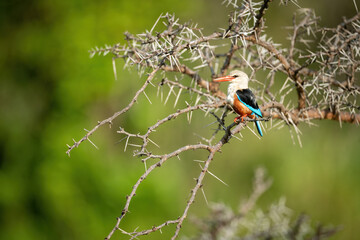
x,y
51,90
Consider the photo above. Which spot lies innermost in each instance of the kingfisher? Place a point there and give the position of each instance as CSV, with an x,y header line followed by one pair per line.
x,y
241,97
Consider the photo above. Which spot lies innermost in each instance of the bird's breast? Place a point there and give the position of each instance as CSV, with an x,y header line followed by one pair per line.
x,y
230,99
230,96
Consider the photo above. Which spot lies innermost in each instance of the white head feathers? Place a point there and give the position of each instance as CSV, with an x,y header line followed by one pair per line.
x,y
240,79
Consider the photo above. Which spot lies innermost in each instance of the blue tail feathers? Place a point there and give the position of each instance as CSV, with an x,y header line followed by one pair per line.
x,y
258,127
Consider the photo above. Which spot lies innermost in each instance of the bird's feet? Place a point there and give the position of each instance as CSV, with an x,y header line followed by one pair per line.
x,y
237,119
242,118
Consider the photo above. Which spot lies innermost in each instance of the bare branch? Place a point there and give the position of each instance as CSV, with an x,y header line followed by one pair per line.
x,y
323,75
115,115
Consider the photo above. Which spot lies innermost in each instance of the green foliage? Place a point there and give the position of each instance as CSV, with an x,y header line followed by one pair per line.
x,y
51,90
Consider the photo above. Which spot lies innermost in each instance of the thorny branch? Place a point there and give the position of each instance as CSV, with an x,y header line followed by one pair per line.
x,y
320,65
115,115
224,223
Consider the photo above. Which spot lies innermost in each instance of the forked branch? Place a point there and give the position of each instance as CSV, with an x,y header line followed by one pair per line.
x,y
324,79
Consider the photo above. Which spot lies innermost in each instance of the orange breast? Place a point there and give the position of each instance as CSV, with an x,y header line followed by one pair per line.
x,y
240,108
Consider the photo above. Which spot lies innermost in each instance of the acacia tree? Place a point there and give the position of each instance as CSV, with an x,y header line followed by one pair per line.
x,y
314,77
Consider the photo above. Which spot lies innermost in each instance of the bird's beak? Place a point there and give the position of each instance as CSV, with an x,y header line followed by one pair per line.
x,y
224,79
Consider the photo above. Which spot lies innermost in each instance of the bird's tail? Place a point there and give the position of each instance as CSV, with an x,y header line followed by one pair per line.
x,y
258,127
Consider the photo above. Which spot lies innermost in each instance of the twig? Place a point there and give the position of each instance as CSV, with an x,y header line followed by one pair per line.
x,y
115,115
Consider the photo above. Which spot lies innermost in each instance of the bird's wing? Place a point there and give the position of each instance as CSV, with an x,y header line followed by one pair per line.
x,y
248,99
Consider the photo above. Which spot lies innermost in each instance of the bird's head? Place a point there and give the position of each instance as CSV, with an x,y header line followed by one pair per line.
x,y
237,78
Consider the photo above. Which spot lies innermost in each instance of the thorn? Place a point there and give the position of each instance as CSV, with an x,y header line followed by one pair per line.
x,y
114,68
93,143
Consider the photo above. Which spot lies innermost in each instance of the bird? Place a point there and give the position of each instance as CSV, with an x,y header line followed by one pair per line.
x,y
241,98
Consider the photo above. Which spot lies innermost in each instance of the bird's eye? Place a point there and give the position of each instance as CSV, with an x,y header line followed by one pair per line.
x,y
235,76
